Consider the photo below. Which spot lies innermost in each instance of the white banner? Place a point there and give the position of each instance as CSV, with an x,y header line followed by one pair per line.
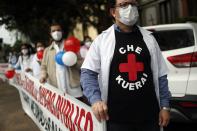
x,y
53,110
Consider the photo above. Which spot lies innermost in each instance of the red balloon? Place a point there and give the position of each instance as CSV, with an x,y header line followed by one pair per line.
x,y
72,44
40,54
10,74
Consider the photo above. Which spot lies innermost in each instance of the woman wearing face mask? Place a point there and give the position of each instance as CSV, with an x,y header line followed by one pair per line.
x,y
24,60
131,91
85,47
13,58
37,59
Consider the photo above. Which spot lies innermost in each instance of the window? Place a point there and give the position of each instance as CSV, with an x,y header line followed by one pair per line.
x,y
174,39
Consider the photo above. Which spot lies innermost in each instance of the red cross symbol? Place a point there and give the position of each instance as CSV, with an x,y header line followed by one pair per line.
x,y
132,67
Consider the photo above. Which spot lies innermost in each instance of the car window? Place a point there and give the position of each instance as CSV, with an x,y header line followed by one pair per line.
x,y
174,39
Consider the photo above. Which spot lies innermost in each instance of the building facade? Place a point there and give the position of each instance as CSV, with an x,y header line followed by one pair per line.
x,y
153,12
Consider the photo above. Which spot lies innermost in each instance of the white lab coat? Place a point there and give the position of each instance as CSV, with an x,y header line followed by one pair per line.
x,y
35,66
100,55
24,63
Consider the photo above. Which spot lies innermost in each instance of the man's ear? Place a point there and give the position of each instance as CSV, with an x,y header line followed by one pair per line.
x,y
112,12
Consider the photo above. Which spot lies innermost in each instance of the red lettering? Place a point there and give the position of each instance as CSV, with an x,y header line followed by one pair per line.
x,y
88,122
18,79
71,125
76,118
60,105
50,101
82,114
41,96
67,112
77,115
30,88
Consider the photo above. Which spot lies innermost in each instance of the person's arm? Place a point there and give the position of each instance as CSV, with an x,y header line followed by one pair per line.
x,y
164,114
89,81
43,68
164,91
90,85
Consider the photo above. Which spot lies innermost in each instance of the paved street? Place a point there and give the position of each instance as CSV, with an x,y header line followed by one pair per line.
x,y
12,117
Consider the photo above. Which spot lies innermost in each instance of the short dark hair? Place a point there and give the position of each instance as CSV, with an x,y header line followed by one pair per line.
x,y
29,48
40,41
111,3
24,44
54,23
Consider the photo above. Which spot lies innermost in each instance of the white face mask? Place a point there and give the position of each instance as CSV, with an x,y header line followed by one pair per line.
x,y
24,51
40,48
129,15
56,35
88,43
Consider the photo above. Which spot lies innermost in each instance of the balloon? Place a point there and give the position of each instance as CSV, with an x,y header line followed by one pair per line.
x,y
9,74
69,58
58,58
40,54
72,44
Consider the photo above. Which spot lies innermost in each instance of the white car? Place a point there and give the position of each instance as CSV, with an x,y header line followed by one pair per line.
x,y
178,43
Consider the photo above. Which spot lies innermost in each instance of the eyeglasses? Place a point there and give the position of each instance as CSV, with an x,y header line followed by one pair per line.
x,y
126,4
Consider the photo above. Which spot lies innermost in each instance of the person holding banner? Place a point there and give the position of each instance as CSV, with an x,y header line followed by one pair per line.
x,y
37,58
25,59
56,73
124,75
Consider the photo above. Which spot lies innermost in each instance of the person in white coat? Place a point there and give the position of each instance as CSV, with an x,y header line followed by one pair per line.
x,y
36,62
124,75
25,59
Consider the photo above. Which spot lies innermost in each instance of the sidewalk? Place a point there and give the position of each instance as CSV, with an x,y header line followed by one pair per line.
x,y
12,116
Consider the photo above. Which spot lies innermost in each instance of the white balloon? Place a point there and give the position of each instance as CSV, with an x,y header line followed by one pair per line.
x,y
69,58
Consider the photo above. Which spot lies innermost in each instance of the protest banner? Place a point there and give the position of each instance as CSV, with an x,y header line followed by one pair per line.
x,y
53,110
